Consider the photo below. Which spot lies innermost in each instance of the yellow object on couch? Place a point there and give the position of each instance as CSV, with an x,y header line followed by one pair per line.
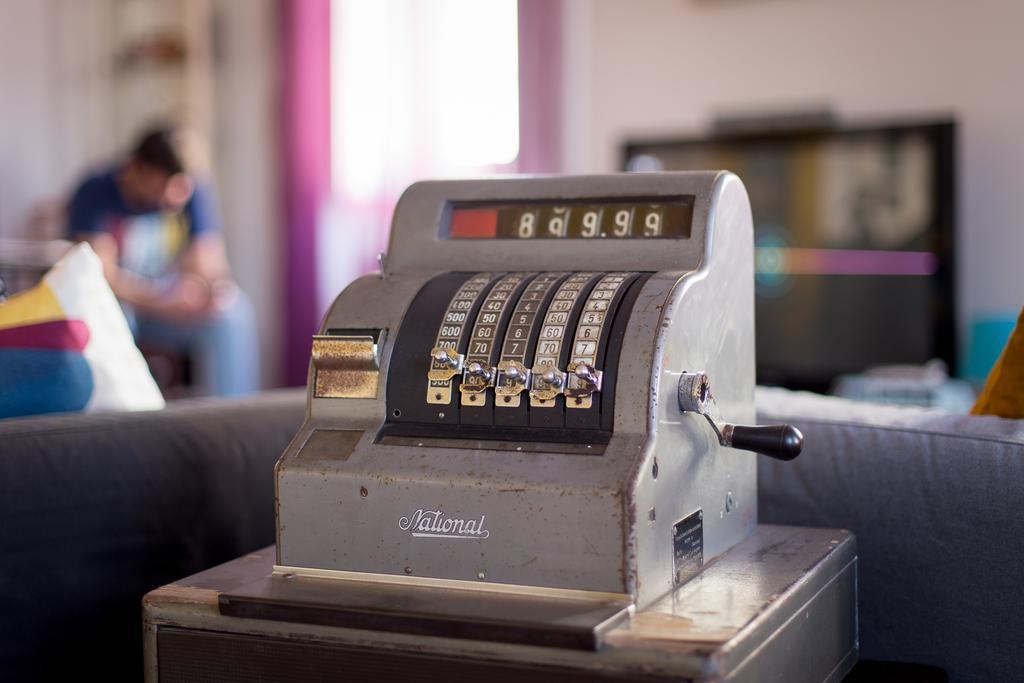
x,y
1003,393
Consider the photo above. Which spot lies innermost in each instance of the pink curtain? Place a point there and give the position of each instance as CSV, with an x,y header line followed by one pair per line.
x,y
306,144
305,155
540,86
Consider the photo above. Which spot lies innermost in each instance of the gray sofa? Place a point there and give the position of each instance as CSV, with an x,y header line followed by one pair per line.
x,y
937,503
96,510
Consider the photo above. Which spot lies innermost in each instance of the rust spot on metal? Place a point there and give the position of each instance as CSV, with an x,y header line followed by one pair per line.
x,y
177,594
529,561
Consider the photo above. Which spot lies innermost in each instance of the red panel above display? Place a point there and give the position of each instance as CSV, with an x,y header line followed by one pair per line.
x,y
473,224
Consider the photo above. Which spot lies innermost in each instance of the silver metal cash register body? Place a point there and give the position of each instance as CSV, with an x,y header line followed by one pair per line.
x,y
524,458
517,398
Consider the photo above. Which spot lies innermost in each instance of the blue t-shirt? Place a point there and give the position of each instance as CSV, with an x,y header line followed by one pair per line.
x,y
149,241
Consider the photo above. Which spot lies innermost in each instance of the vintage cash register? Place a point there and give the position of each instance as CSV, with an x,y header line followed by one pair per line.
x,y
529,450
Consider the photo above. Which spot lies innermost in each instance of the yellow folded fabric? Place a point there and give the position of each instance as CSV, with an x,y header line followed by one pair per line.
x,y
1003,394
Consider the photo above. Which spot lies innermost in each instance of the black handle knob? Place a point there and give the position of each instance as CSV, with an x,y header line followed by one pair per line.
x,y
782,442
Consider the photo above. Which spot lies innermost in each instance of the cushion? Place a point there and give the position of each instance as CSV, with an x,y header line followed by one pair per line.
x,y
1003,394
65,346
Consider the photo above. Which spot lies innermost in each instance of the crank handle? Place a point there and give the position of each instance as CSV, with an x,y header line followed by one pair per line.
x,y
782,442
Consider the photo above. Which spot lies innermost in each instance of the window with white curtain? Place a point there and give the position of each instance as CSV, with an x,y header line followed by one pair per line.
x,y
419,89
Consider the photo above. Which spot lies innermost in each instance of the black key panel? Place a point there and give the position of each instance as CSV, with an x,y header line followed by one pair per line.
x,y
517,356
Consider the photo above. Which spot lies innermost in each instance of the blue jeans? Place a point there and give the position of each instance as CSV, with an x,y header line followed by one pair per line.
x,y
224,350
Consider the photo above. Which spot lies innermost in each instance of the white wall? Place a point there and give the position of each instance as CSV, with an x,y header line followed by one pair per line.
x,y
246,89
26,61
667,66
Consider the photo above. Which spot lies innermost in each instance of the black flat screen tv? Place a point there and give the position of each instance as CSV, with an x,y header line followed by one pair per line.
x,y
854,242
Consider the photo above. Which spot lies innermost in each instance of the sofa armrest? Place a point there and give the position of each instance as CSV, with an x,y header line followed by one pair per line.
x,y
96,510
936,501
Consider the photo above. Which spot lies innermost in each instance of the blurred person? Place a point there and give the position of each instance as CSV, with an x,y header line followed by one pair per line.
x,y
152,218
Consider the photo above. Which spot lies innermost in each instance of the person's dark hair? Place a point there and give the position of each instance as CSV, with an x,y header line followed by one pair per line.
x,y
160,148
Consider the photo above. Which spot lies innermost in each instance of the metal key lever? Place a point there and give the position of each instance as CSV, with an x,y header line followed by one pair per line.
x,y
782,442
